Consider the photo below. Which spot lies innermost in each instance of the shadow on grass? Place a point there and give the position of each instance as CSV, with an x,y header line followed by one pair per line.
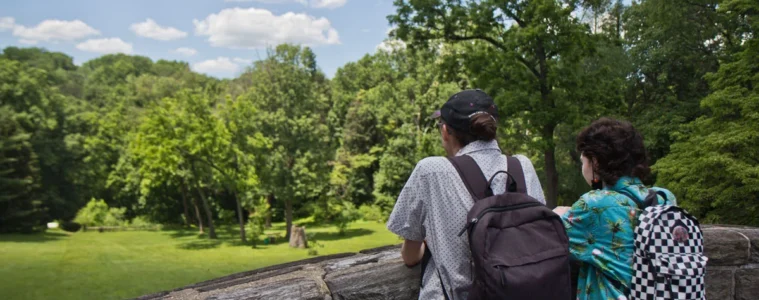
x,y
230,236
334,236
200,245
300,223
42,237
182,233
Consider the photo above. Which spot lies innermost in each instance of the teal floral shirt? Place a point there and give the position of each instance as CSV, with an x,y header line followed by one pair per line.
x,y
600,226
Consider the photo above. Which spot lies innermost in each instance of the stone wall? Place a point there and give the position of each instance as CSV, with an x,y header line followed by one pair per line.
x,y
733,273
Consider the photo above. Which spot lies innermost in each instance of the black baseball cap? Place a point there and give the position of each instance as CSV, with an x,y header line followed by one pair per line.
x,y
462,106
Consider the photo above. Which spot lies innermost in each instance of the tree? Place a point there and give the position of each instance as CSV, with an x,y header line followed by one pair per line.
x,y
672,45
713,166
528,49
178,138
288,91
46,115
236,164
20,207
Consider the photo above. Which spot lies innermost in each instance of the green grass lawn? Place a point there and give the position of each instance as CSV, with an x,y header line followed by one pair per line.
x,y
118,265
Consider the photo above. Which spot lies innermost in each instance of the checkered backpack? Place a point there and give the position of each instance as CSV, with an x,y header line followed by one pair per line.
x,y
669,261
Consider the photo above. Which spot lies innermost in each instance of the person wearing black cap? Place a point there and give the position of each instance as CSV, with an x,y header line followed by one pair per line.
x,y
432,207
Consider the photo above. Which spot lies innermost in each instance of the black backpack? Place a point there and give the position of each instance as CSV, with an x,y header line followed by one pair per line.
x,y
519,246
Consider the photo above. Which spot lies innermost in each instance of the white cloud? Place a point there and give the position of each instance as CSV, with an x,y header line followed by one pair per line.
x,y
105,46
221,65
242,61
391,45
218,65
49,30
304,2
331,4
7,23
151,29
185,51
257,28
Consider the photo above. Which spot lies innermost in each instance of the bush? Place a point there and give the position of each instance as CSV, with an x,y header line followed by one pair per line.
x,y
313,244
371,213
115,217
92,214
253,230
255,226
142,222
344,213
70,226
97,213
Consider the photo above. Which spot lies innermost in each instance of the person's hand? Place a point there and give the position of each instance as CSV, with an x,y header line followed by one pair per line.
x,y
561,210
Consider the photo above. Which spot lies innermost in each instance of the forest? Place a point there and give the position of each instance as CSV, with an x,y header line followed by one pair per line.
x,y
122,140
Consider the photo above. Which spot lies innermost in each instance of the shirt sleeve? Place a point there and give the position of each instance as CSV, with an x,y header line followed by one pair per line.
x,y
578,222
409,213
534,189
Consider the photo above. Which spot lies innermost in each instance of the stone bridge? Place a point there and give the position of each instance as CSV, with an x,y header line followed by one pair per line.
x,y
732,273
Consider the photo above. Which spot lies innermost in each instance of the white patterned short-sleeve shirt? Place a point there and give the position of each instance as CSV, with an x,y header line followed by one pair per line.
x,y
433,206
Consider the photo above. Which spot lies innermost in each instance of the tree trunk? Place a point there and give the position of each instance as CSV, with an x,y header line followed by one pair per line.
x,y
288,217
209,216
197,215
270,200
239,218
552,175
298,238
186,210
197,209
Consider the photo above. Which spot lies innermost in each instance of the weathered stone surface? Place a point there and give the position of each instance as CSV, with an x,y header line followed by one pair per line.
x,y
381,249
388,280
380,274
753,235
243,280
289,266
747,283
725,247
388,253
350,262
719,283
292,289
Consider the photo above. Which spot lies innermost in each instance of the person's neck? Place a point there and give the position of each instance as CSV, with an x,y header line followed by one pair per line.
x,y
453,150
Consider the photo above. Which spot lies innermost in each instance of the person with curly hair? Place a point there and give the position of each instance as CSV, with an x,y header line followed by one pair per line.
x,y
600,225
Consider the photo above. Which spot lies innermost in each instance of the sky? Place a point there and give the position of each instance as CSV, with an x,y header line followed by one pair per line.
x,y
217,37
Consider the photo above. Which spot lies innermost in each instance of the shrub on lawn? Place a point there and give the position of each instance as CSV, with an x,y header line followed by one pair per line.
x,y
370,213
255,226
141,222
313,244
97,213
345,214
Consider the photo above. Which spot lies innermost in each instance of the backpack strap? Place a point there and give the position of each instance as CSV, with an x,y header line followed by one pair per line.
x,y
515,170
472,175
650,200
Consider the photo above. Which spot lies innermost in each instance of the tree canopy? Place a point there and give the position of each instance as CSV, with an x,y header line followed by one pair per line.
x,y
122,136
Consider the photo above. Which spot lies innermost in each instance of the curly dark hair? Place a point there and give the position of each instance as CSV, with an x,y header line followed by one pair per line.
x,y
616,148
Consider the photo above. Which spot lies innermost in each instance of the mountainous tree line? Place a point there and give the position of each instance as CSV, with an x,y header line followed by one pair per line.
x,y
157,141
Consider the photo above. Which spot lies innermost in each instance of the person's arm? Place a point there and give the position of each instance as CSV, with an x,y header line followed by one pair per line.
x,y
408,217
561,210
579,222
534,189
412,252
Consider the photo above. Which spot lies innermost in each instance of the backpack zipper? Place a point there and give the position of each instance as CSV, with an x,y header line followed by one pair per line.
x,y
496,209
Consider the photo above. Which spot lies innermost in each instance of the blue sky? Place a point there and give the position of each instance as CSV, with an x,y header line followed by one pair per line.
x,y
217,37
